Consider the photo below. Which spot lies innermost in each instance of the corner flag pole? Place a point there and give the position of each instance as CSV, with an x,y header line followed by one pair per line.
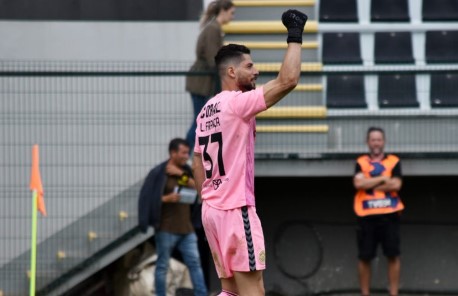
x,y
38,204
33,255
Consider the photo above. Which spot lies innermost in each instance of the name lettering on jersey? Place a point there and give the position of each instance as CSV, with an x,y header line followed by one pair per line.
x,y
210,110
210,124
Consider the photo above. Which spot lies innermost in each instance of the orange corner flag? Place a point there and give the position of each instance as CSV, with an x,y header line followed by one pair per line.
x,y
35,180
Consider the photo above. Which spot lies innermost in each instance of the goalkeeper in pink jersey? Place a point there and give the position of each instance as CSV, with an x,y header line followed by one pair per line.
x,y
223,161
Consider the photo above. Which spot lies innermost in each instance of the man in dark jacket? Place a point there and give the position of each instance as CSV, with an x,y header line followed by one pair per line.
x,y
162,205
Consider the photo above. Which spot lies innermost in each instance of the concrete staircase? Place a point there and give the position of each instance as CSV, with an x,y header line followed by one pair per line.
x,y
80,249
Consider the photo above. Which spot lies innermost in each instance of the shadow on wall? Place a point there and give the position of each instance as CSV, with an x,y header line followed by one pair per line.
x,y
309,227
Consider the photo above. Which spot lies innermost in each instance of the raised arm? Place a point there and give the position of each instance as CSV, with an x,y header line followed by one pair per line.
x,y
290,71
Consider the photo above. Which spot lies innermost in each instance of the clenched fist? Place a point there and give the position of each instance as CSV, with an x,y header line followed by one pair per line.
x,y
294,22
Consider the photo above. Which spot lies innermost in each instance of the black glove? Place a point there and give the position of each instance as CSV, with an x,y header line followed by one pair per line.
x,y
294,21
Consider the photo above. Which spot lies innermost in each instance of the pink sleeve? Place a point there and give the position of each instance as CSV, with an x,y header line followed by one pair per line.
x,y
248,104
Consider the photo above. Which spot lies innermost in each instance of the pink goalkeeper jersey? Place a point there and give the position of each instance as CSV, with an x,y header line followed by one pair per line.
x,y
225,136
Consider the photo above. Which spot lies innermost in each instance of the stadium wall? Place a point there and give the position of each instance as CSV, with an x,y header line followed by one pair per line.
x,y
98,41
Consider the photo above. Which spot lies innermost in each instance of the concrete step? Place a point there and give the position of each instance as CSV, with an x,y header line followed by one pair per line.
x,y
275,67
275,51
294,112
311,82
273,3
302,99
272,44
271,10
290,137
272,47
278,55
264,27
307,39
305,94
299,128
311,87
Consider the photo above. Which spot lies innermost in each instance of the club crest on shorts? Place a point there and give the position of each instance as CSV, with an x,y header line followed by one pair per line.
x,y
262,257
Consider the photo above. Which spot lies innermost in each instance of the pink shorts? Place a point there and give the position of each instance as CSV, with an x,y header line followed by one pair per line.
x,y
235,238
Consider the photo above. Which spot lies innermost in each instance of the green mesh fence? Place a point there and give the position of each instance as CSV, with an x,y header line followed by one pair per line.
x,y
101,126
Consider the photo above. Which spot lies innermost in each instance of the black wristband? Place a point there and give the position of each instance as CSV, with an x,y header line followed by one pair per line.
x,y
294,35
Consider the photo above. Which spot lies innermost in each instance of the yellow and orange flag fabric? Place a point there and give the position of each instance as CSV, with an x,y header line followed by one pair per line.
x,y
35,180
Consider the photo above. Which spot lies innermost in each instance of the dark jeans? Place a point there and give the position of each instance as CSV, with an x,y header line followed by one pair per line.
x,y
198,103
187,245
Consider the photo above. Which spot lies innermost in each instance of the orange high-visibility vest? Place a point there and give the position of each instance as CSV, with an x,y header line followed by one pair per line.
x,y
374,202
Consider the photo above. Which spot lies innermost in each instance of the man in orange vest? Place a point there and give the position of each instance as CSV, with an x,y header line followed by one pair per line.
x,y
378,206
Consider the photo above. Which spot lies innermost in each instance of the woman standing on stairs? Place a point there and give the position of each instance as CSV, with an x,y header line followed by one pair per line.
x,y
210,40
